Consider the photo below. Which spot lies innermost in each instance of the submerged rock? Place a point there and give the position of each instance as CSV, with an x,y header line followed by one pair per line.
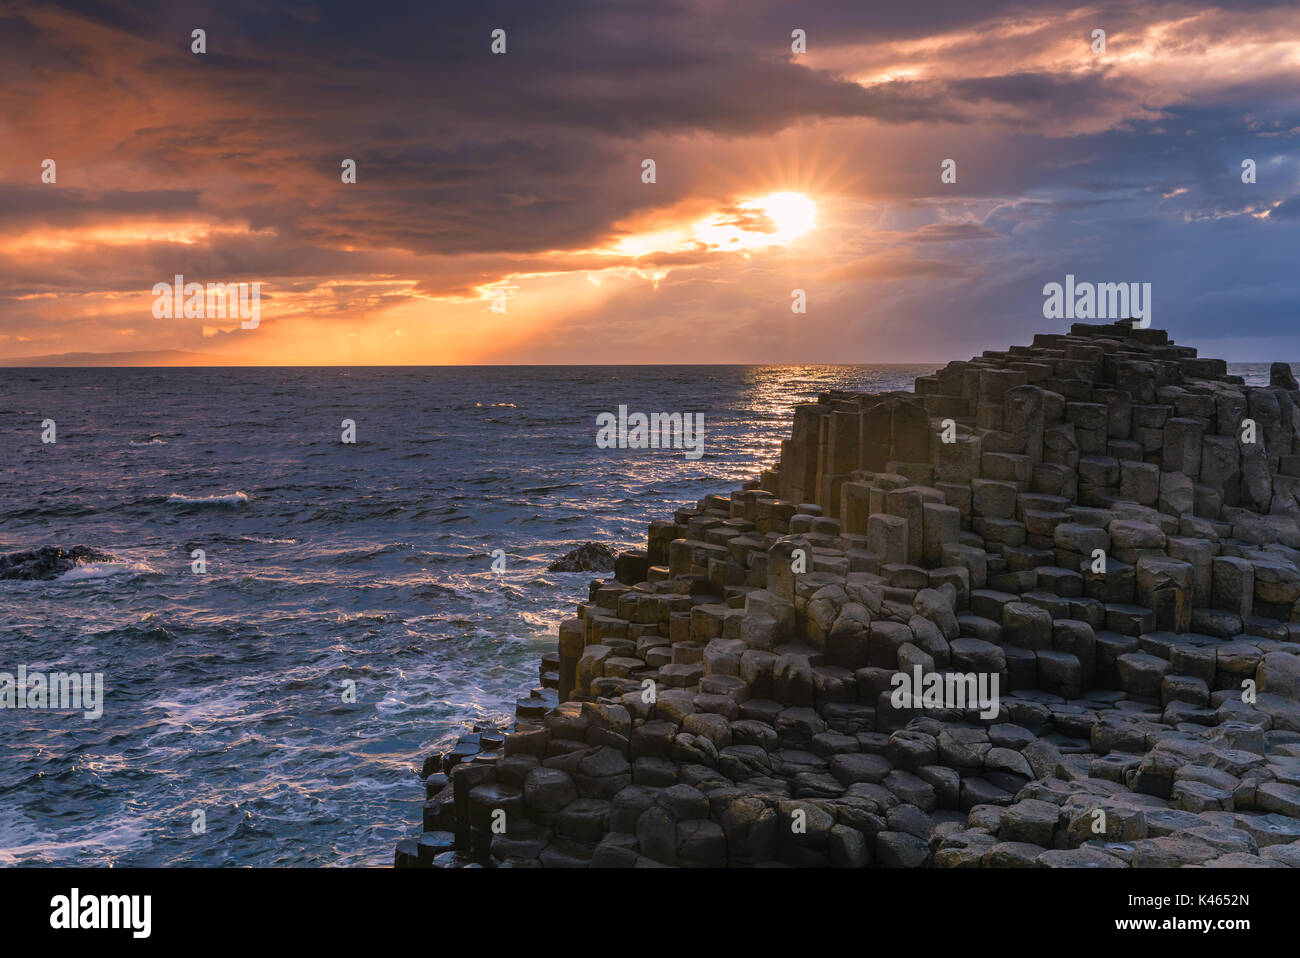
x,y
588,557
48,562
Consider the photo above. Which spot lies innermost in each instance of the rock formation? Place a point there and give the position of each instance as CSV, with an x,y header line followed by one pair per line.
x,y
588,557
1102,526
48,562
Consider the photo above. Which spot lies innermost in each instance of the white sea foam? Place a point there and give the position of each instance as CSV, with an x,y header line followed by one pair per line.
x,y
233,499
22,840
87,571
203,708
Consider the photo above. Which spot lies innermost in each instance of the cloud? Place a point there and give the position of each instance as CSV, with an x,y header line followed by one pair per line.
x,y
522,171
953,232
891,266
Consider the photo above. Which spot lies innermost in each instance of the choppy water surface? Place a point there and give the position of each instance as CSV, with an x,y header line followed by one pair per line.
x,y
326,562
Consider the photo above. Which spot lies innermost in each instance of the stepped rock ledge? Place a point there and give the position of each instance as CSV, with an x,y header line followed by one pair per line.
x,y
1109,538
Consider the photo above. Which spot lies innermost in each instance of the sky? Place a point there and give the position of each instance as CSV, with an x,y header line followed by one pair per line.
x,y
501,211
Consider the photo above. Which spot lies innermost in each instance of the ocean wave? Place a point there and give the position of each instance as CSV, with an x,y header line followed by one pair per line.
x,y
87,571
546,490
227,688
23,841
372,552
233,499
143,631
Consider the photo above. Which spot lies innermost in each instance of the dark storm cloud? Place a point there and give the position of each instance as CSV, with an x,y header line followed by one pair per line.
x,y
616,69
526,162
29,205
446,135
1043,91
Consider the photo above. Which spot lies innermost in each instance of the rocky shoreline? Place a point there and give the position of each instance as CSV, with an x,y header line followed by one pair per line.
x,y
1101,529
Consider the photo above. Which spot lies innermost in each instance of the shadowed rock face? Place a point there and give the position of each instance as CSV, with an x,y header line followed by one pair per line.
x,y
1279,374
588,557
48,562
1102,522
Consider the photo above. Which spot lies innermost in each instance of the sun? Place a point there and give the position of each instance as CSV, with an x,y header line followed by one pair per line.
x,y
773,219
793,214
776,219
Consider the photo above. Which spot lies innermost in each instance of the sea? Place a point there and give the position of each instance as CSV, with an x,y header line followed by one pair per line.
x,y
276,708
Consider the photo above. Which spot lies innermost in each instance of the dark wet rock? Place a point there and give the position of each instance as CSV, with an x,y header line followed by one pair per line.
x,y
1078,858
1012,855
1171,852
616,850
48,562
901,850
588,557
1279,374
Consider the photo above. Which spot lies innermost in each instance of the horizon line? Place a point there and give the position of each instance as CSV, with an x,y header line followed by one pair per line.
x,y
4,365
